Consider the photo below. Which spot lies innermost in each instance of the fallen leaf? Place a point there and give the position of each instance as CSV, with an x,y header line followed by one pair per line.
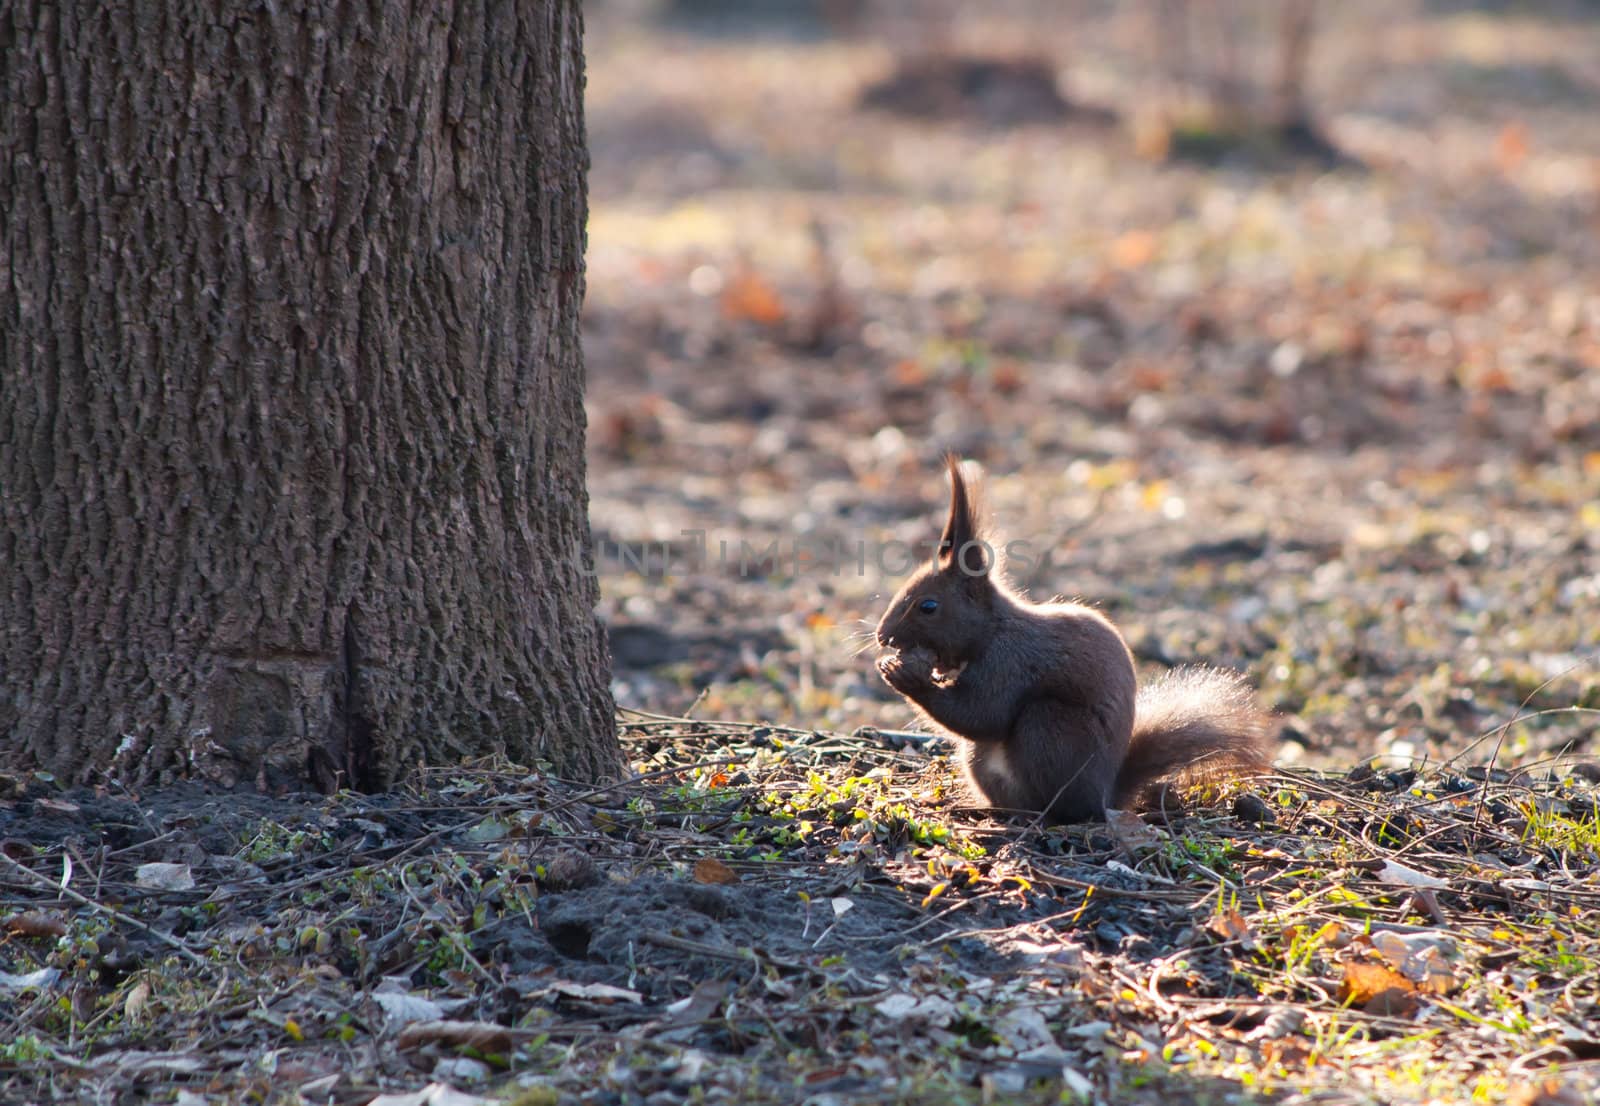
x,y
1131,831
896,1006
1331,934
164,877
461,1069
1290,1053
1024,1027
35,923
1134,249
711,870
749,296
434,1094
909,373
1377,990
133,1063
700,1005
1549,1092
1283,1021
1408,877
138,998
1230,925
932,1010
596,992
480,1036
32,981
490,829
402,1009
1420,957
1511,147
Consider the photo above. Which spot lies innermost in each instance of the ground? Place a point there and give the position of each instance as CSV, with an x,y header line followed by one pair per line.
x,y
1327,420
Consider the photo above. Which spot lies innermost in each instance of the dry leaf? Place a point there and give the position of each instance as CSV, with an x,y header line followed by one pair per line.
x,y
1231,926
1511,147
1378,990
490,829
896,1006
1134,249
1408,877
749,296
1283,1021
700,1005
1290,1053
480,1036
1550,1092
1331,934
1008,378
711,870
35,923
32,981
434,1094
164,877
1131,831
401,1008
1420,957
909,373
138,998
596,992
932,1009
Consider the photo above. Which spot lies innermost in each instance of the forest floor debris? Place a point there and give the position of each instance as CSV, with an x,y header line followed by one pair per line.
x,y
776,915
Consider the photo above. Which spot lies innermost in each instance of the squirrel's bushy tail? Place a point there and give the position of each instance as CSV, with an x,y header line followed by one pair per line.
x,y
1191,725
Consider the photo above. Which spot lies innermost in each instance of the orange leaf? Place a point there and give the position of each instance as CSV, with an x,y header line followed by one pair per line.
x,y
711,870
1511,148
1134,249
35,923
749,296
1378,990
909,373
1290,1053
1008,378
1231,926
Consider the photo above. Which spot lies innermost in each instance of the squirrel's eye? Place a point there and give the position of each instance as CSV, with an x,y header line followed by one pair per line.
x,y
928,606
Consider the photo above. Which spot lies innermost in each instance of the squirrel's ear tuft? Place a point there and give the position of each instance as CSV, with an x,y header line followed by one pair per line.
x,y
962,527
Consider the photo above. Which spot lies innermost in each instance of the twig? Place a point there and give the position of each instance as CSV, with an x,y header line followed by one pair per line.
x,y
111,912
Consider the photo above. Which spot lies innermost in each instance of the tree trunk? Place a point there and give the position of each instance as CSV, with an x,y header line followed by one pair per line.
x,y
291,423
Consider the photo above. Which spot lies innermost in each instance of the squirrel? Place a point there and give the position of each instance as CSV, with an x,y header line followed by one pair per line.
x,y
1044,694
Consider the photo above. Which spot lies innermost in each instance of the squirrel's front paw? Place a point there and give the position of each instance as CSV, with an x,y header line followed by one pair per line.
x,y
908,669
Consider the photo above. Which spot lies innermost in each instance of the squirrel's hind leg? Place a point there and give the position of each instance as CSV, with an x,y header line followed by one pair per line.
x,y
1059,759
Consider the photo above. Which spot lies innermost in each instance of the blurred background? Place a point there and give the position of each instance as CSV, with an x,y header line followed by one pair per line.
x,y
1275,324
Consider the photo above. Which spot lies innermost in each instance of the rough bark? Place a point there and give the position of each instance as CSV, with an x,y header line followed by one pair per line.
x,y
291,424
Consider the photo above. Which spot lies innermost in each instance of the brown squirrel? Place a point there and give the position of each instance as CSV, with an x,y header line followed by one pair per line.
x,y
1045,693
